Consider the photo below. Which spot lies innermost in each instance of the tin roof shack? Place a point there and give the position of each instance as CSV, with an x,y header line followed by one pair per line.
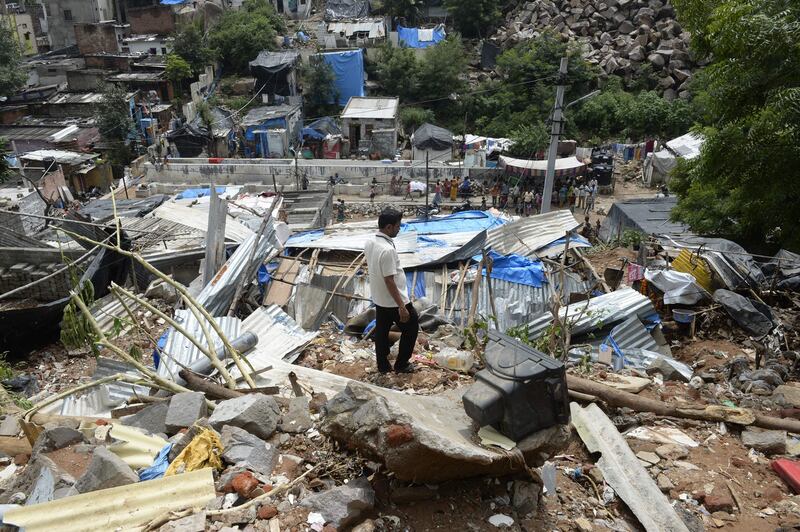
x,y
82,171
49,136
21,197
322,139
101,37
362,116
219,140
150,43
269,131
145,82
119,61
433,143
74,104
649,216
276,73
352,34
53,71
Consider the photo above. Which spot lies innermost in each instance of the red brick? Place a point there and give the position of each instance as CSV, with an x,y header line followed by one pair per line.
x,y
22,459
267,511
244,483
719,501
398,434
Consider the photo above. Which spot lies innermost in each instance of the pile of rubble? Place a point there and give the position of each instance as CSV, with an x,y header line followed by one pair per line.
x,y
620,36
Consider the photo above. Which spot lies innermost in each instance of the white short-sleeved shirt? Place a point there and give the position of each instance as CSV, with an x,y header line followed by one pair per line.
x,y
382,260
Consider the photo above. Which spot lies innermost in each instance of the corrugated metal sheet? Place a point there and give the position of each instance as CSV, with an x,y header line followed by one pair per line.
x,y
180,351
123,507
599,311
526,236
217,295
12,239
118,391
688,262
197,217
96,402
514,302
136,448
279,336
632,334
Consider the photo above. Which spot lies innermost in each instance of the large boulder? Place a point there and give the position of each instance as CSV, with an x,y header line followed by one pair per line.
x,y
424,439
244,449
106,470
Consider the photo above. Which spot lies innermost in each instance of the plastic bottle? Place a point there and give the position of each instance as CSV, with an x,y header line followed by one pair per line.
x,y
454,359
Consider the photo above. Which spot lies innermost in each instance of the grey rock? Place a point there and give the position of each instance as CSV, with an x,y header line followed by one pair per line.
x,y
159,289
256,413
57,438
636,53
238,516
297,419
656,59
648,457
765,441
152,419
626,26
106,470
244,449
791,394
664,483
666,82
9,426
342,505
184,409
526,497
672,451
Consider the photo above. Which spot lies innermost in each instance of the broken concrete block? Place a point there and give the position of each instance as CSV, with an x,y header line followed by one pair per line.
x,y
57,438
720,500
668,368
152,419
244,449
648,458
765,441
9,426
342,505
49,482
791,394
297,419
106,470
256,413
184,409
664,483
672,451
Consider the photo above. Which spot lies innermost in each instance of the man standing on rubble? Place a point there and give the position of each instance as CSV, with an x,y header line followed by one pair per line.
x,y
387,283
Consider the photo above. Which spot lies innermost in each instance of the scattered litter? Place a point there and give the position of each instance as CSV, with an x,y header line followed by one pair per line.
x,y
662,435
491,437
501,520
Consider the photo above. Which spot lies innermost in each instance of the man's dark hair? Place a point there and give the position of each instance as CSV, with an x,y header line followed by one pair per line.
x,y
389,216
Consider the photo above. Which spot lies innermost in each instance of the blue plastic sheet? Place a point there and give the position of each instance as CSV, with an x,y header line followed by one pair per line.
x,y
162,343
515,269
349,69
460,222
304,237
159,467
193,193
409,37
172,2
418,288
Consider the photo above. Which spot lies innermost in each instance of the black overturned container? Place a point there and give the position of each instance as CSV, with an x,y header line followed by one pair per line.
x,y
521,391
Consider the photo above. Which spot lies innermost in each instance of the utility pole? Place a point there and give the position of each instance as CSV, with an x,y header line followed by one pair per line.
x,y
555,132
427,184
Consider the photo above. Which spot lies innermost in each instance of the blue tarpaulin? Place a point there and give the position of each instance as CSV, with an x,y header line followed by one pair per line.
x,y
160,465
349,69
515,269
410,37
460,222
199,193
172,2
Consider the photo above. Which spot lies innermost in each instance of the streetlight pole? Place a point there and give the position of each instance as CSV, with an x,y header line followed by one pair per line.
x,y
555,132
427,184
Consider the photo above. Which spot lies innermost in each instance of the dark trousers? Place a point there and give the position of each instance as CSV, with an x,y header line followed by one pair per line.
x,y
384,318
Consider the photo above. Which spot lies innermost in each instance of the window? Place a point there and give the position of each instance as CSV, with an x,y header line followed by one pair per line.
x,y
47,10
67,14
24,26
27,36
163,51
153,51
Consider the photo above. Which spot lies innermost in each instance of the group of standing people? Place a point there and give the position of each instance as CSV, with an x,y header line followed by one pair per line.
x,y
578,194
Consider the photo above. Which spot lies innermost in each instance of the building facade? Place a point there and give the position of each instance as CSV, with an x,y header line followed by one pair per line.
x,y
62,15
22,24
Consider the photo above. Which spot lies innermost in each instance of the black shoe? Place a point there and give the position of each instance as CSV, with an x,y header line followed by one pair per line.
x,y
408,368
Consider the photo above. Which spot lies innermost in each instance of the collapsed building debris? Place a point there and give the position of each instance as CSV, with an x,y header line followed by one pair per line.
x,y
247,387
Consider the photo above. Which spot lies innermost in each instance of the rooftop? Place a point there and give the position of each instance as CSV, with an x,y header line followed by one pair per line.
x,y
59,156
137,76
364,107
148,37
63,98
267,112
44,132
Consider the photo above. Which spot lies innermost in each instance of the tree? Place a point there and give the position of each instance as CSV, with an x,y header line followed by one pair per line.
x,y
474,18
398,72
177,70
405,9
114,121
12,77
319,88
241,34
5,168
413,117
191,44
440,73
744,183
529,140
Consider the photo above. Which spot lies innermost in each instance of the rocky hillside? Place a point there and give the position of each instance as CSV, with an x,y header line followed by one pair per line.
x,y
620,36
